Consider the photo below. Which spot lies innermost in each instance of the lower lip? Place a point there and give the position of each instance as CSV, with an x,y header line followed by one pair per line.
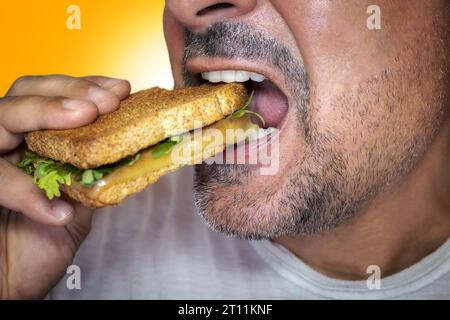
x,y
245,153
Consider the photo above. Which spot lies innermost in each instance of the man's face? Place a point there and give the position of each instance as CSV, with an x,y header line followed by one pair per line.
x,y
356,108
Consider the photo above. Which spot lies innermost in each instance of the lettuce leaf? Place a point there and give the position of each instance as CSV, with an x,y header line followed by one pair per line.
x,y
244,110
165,146
49,174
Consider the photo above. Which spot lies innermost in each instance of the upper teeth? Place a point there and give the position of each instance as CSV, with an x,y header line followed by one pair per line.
x,y
232,76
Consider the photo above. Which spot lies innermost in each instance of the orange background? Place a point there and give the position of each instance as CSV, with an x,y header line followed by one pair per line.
x,y
117,38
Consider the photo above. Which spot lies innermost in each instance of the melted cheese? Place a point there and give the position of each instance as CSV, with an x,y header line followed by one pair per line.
x,y
196,146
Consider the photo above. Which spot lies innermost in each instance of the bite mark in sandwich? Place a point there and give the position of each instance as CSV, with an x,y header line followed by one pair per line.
x,y
124,151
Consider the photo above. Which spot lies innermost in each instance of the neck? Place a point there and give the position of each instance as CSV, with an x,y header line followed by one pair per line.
x,y
395,230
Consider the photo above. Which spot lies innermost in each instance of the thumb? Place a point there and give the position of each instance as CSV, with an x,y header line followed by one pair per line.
x,y
80,226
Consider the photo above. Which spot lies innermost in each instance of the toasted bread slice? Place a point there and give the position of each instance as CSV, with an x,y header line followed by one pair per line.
x,y
142,120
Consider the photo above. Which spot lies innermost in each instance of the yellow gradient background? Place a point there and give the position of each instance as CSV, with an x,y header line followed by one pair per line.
x,y
121,39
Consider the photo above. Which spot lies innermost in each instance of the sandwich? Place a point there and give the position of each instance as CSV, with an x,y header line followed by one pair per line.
x,y
122,152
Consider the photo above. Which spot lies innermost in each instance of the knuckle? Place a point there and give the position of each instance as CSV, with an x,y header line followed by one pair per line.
x,y
6,100
45,109
49,112
82,87
23,79
114,100
52,104
8,141
55,115
19,83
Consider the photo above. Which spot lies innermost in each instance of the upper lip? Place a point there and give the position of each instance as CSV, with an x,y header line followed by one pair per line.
x,y
200,64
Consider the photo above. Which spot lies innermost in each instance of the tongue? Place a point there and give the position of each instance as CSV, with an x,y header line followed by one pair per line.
x,y
269,101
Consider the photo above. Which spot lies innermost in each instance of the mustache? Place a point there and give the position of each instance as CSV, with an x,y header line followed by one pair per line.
x,y
229,39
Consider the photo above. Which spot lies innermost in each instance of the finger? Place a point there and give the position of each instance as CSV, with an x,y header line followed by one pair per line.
x,y
19,193
80,226
8,140
16,154
22,114
119,87
61,85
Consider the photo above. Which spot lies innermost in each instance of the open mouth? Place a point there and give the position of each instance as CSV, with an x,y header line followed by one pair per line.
x,y
269,101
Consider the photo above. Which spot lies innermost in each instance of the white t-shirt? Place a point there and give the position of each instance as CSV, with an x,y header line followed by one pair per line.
x,y
155,246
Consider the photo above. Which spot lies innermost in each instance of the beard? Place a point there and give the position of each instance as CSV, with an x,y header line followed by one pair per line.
x,y
335,165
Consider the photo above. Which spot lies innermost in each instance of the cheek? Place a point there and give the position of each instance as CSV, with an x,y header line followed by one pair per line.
x,y
174,35
381,128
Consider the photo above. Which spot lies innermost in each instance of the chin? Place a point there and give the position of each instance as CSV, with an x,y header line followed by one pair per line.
x,y
232,200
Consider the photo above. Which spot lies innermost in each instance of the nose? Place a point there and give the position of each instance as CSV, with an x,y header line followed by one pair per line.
x,y
197,15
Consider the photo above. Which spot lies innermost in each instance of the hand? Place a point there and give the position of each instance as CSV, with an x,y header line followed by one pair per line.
x,y
39,237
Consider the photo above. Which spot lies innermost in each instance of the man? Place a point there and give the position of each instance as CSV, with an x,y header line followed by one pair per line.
x,y
362,190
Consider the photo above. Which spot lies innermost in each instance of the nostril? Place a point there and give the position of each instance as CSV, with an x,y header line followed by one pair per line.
x,y
215,7
198,15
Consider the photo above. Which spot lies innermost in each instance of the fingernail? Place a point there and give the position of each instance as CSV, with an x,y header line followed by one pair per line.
x,y
61,209
117,85
71,104
99,96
